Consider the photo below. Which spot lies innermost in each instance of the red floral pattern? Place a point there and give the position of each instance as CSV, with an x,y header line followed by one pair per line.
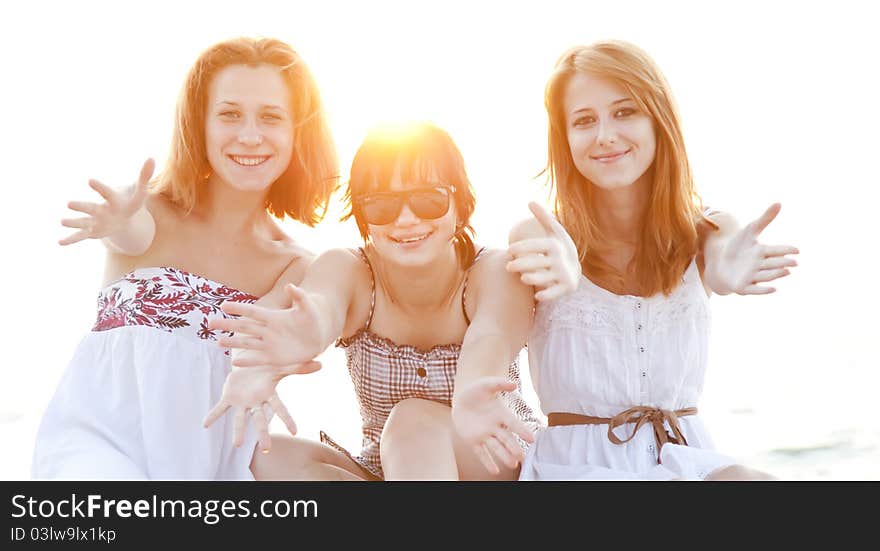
x,y
165,298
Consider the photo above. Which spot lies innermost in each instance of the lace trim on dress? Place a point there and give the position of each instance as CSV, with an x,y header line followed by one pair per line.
x,y
578,313
599,311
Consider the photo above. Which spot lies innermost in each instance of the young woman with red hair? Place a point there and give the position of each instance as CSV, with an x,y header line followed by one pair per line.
x,y
619,363
250,142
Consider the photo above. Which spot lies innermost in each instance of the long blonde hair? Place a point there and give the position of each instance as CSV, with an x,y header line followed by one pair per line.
x,y
304,189
668,236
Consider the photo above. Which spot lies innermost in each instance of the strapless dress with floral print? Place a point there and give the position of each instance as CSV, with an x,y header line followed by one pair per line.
x,y
131,403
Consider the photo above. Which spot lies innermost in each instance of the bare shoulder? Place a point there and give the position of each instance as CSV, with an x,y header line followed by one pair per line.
x,y
713,229
341,257
527,228
714,223
489,273
117,265
162,210
168,220
496,299
345,280
338,266
489,262
306,268
721,218
298,261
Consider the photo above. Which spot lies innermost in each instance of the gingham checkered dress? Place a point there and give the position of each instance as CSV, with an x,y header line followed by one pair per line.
x,y
384,373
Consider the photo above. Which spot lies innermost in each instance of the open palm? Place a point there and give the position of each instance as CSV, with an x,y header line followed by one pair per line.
x,y
106,218
485,423
247,391
745,263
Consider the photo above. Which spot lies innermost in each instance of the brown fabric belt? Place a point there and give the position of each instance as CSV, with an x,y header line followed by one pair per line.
x,y
638,415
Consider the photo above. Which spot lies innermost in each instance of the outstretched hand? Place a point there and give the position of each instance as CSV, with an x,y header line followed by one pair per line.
x,y
249,392
271,336
106,218
486,424
551,263
745,263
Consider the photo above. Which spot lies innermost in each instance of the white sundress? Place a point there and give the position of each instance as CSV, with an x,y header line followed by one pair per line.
x,y
133,398
596,353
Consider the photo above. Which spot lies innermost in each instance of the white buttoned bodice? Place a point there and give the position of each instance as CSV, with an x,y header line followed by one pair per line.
x,y
620,351
596,353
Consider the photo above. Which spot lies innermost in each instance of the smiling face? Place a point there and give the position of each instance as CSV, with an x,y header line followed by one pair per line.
x,y
612,141
410,240
248,127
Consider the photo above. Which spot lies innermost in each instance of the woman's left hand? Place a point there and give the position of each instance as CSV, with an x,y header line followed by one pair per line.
x,y
247,391
483,421
744,263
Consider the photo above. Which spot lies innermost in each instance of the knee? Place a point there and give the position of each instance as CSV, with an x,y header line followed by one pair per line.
x,y
414,419
289,459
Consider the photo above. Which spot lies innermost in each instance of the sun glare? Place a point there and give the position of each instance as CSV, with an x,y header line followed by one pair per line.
x,y
94,96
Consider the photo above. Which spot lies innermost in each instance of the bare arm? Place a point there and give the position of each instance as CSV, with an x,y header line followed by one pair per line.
x,y
314,310
503,309
294,273
123,222
312,317
502,316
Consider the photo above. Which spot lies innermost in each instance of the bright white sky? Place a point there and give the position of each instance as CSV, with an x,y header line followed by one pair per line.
x,y
779,103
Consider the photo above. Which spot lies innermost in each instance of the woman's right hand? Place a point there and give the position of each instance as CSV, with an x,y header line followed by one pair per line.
x,y
273,337
108,218
548,262
247,391
486,424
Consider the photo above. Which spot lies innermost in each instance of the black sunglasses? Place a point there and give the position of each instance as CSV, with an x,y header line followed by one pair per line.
x,y
383,207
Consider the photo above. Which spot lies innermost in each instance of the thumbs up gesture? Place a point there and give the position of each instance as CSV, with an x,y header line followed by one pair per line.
x,y
544,255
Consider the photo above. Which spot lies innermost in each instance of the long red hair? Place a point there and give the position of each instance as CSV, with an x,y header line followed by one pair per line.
x,y
668,237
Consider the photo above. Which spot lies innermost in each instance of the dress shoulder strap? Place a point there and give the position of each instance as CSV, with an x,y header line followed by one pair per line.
x,y
363,254
464,287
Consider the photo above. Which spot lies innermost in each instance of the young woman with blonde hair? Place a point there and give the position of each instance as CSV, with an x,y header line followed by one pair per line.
x,y
619,363
250,142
